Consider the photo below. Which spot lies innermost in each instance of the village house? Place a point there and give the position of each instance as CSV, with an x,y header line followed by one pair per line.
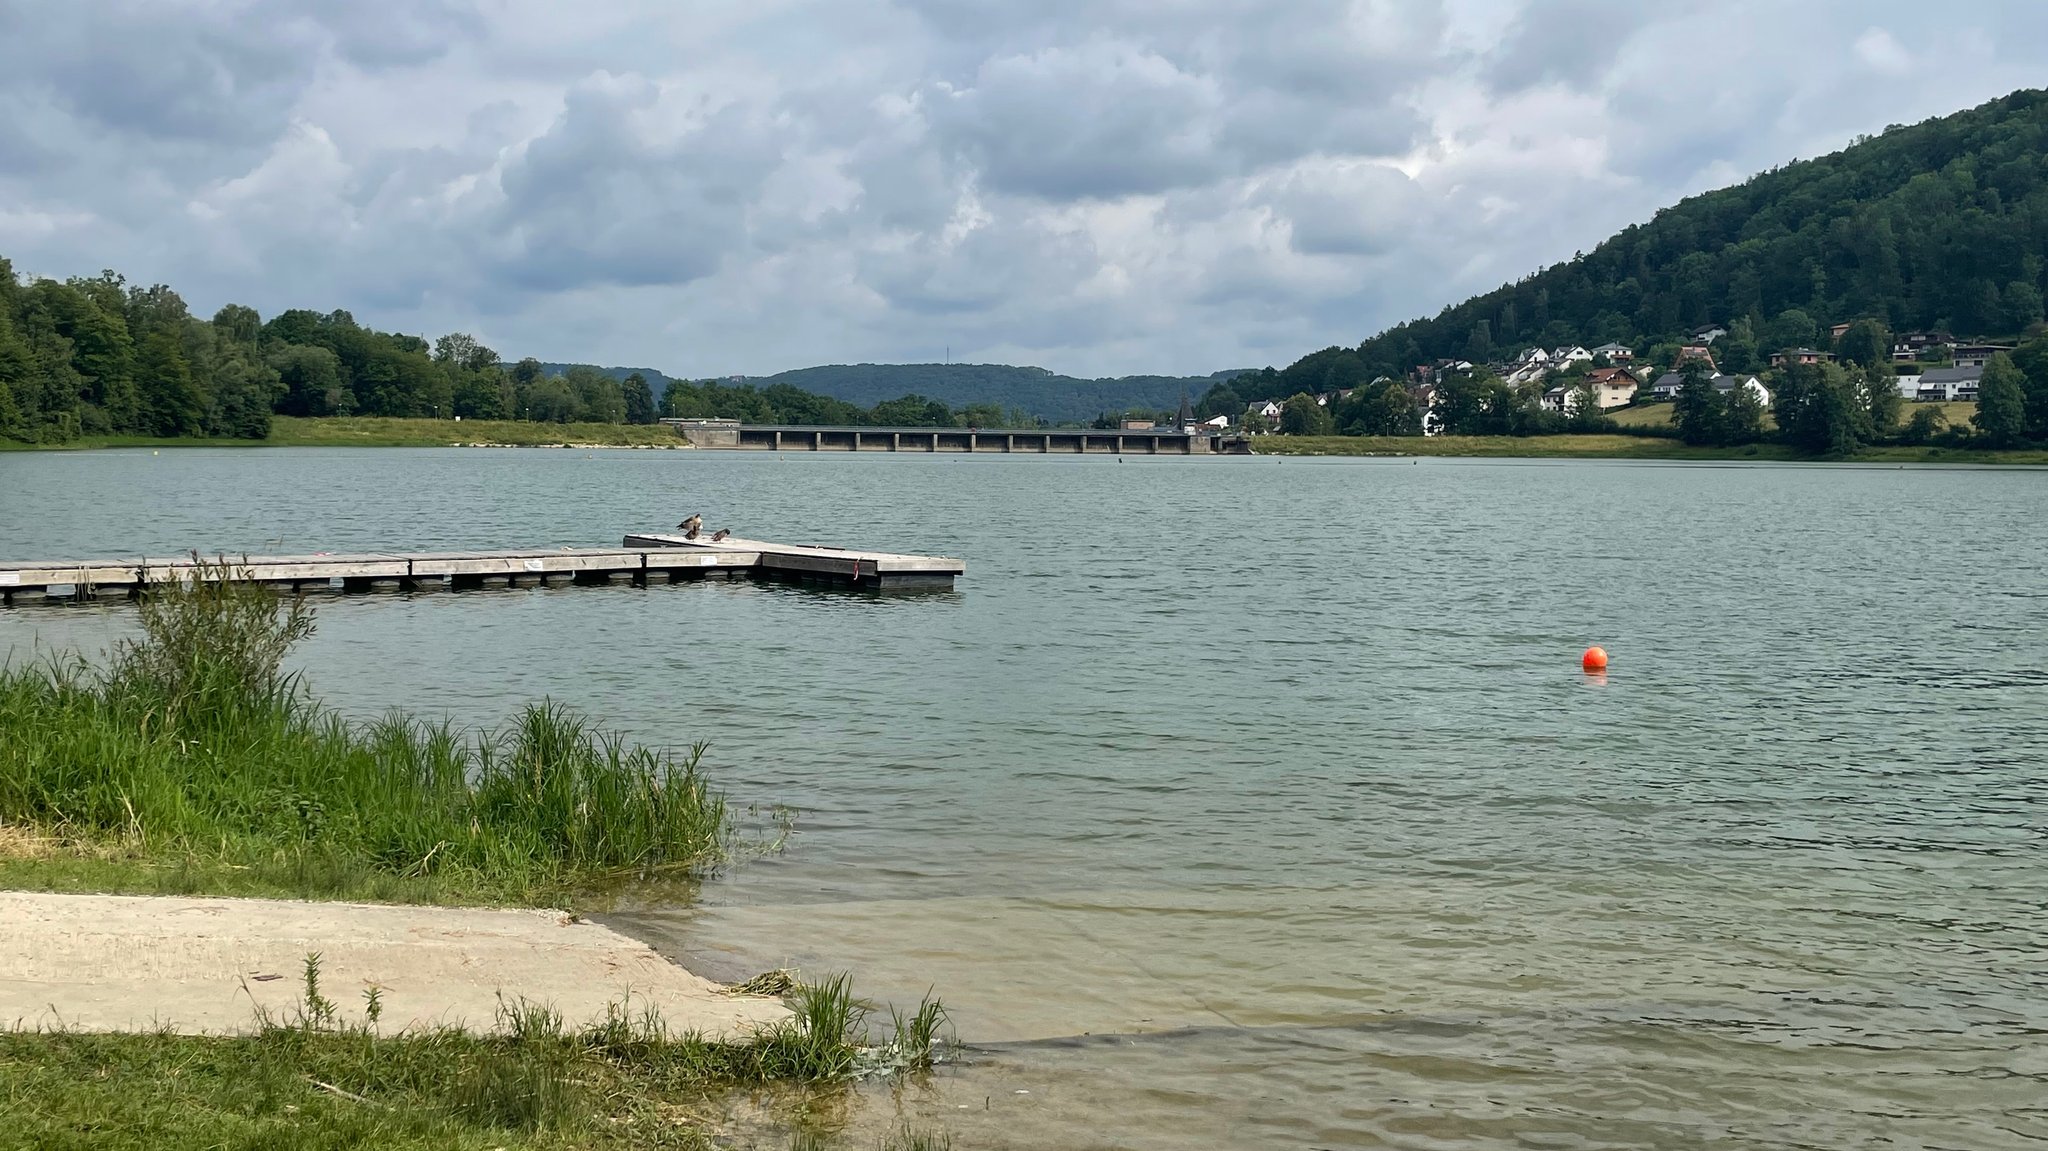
x,y
1700,352
1668,385
1915,346
1615,387
1708,334
1948,385
1615,353
1566,357
1839,330
1264,409
1800,356
1977,355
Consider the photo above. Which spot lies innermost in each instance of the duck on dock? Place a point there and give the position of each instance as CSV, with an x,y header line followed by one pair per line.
x,y
690,527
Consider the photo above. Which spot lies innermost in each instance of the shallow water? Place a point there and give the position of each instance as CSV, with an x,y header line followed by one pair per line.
x,y
1250,802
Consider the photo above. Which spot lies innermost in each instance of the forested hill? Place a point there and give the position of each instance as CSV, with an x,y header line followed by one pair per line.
x,y
1941,226
1061,399
656,381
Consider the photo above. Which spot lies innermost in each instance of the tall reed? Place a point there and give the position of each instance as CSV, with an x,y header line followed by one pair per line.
x,y
195,744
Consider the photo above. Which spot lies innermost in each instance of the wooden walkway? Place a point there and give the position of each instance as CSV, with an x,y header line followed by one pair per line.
x,y
641,560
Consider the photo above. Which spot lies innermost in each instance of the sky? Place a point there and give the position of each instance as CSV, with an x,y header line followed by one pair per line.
x,y
1109,187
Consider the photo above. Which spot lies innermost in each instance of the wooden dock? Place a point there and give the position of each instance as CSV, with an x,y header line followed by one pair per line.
x,y
640,561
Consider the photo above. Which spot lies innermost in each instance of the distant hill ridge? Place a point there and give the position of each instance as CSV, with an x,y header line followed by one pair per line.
x,y
1036,390
1043,393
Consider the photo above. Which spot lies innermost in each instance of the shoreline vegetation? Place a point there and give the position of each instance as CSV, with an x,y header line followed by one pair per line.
x,y
402,432
194,763
1626,447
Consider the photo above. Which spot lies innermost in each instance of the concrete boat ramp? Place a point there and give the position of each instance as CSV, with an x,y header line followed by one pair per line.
x,y
640,560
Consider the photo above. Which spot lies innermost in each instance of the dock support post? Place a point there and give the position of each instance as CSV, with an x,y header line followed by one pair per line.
x,y
778,441
935,441
895,441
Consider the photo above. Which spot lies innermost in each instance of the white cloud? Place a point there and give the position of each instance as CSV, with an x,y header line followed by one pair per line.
x,y
1882,53
1100,186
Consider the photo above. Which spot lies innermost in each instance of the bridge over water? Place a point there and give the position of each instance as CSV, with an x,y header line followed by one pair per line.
x,y
730,434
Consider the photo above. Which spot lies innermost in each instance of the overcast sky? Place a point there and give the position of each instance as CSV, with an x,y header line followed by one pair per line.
x,y
1101,188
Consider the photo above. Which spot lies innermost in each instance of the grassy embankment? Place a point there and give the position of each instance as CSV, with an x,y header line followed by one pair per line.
x,y
194,764
1637,447
389,432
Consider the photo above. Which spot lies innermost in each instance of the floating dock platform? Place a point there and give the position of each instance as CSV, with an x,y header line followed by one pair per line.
x,y
641,560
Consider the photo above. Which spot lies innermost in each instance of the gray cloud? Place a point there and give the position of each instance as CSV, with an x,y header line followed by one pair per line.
x,y
1101,186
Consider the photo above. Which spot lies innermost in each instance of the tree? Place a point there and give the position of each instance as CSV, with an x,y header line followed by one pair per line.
x,y
1383,410
1817,409
1697,412
1867,344
2001,403
11,425
238,324
243,392
1256,424
311,381
915,411
1220,400
1880,399
1742,415
550,401
2021,305
2031,359
639,399
1479,348
170,404
1927,423
1302,416
1792,328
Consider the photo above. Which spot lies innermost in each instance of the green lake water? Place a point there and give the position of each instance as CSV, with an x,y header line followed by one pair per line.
x,y
1248,802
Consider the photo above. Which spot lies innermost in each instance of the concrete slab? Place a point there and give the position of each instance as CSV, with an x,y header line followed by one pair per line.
x,y
204,966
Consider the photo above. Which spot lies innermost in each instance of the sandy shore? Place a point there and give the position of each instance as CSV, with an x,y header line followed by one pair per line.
x,y
204,966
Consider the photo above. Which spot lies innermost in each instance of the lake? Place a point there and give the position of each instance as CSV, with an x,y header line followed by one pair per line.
x,y
1255,802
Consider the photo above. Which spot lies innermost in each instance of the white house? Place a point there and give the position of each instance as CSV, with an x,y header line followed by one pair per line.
x,y
1265,409
1948,384
1708,334
1730,383
1909,386
1668,384
1615,353
1565,357
1534,356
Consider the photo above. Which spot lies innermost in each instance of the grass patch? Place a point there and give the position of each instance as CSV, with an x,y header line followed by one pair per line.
x,y
1616,447
384,431
193,764
1587,446
395,432
626,1081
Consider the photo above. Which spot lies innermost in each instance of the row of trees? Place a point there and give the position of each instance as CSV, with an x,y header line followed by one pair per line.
x,y
99,356
788,404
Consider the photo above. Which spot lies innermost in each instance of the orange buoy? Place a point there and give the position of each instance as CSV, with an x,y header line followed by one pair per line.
x,y
1595,659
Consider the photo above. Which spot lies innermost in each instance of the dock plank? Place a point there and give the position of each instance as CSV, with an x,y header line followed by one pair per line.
x,y
668,556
